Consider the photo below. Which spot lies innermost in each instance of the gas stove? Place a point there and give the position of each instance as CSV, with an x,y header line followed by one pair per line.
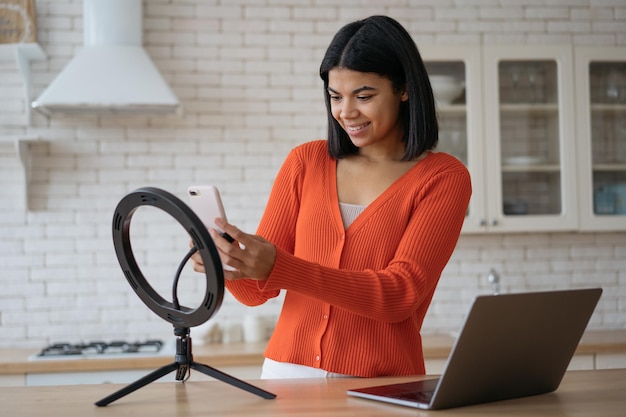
x,y
100,349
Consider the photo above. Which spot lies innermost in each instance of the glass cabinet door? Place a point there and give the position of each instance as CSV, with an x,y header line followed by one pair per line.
x,y
602,137
455,76
530,145
529,138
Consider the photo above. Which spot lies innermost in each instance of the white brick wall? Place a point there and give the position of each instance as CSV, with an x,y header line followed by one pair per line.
x,y
246,72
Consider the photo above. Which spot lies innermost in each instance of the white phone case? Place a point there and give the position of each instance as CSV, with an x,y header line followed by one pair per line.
x,y
206,202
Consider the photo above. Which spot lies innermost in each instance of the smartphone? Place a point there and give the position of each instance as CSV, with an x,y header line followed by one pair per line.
x,y
206,202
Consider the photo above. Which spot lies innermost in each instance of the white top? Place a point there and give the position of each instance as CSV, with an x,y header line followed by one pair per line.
x,y
349,212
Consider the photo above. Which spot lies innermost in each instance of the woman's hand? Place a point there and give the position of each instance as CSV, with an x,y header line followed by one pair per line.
x,y
252,256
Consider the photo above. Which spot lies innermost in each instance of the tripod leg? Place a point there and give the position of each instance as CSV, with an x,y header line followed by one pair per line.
x,y
152,376
217,374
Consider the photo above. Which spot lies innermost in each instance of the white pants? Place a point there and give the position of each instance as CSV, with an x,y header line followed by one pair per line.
x,y
278,370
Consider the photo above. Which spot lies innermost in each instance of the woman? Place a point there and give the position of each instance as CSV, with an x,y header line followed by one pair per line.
x,y
358,228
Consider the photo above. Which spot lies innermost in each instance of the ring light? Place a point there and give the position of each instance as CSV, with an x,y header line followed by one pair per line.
x,y
180,316
184,316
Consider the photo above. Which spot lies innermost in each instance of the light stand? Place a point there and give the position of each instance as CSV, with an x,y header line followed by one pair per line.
x,y
180,316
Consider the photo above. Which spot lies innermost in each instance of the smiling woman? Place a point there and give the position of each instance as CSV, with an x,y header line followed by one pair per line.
x,y
358,228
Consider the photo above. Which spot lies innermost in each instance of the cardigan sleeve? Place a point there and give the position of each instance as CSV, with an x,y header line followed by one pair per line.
x,y
392,293
277,226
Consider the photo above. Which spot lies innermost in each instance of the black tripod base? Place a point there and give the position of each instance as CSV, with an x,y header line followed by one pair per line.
x,y
182,365
207,370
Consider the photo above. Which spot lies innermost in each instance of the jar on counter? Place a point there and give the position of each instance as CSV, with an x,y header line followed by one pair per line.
x,y
254,329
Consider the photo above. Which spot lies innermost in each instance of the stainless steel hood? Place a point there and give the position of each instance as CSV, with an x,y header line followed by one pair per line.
x,y
112,73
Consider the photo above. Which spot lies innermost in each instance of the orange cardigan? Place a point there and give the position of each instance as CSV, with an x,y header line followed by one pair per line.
x,y
356,298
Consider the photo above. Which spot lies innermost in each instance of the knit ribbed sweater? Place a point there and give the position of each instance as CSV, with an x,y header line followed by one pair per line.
x,y
356,298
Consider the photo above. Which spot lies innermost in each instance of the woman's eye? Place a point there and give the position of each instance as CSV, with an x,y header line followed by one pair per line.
x,y
363,98
335,98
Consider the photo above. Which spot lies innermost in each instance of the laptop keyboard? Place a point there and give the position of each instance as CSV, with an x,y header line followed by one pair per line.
x,y
417,396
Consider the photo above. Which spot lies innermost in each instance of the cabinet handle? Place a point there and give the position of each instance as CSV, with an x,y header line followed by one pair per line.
x,y
483,222
494,222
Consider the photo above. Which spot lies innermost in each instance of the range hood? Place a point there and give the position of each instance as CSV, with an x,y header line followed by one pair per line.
x,y
112,73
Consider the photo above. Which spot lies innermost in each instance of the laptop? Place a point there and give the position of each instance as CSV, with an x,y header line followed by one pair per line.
x,y
510,346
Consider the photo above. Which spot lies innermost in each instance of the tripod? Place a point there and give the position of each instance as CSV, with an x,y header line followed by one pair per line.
x,y
183,363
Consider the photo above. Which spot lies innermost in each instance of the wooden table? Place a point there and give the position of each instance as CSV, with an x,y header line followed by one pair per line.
x,y
599,393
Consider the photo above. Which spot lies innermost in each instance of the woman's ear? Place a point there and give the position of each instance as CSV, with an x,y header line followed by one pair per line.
x,y
404,94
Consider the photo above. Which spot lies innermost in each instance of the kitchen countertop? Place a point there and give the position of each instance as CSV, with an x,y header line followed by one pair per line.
x,y
581,393
16,361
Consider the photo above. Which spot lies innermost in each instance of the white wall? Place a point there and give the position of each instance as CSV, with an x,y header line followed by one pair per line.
x,y
246,73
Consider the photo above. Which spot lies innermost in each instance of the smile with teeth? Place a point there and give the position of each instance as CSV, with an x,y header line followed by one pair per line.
x,y
354,129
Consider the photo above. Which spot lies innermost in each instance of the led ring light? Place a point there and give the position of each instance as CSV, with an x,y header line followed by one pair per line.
x,y
183,316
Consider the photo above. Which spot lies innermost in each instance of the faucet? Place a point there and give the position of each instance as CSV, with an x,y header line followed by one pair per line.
x,y
494,279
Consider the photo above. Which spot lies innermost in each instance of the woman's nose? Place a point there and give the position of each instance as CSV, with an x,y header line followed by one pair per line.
x,y
348,110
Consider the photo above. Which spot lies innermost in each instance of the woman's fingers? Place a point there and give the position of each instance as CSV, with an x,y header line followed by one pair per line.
x,y
225,247
250,254
196,259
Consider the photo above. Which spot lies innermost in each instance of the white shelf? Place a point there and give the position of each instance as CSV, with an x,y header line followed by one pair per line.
x,y
22,152
531,168
608,107
22,54
31,51
609,167
538,108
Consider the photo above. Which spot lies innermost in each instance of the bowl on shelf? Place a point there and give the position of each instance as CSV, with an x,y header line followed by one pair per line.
x,y
446,88
514,206
524,160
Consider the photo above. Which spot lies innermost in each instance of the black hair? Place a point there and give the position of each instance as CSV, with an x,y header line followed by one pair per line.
x,y
381,45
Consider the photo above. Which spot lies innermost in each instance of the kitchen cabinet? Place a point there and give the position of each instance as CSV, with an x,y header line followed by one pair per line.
x,y
601,125
515,132
127,376
530,144
12,380
610,361
578,363
460,121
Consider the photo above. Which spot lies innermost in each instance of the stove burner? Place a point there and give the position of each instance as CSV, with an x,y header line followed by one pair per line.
x,y
101,348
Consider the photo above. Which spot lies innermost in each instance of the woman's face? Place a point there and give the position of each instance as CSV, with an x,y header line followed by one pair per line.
x,y
367,107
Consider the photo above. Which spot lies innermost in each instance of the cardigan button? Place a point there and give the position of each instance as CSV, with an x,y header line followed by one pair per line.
x,y
317,358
